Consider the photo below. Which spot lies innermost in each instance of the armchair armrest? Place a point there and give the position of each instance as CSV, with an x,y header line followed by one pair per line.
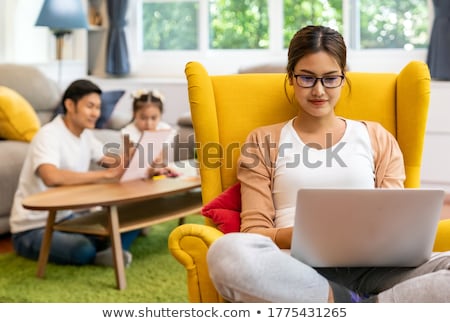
x,y
189,245
442,242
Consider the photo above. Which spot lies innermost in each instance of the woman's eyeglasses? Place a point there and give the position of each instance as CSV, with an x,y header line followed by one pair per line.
x,y
329,82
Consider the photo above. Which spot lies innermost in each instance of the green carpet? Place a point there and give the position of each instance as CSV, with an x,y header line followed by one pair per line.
x,y
154,276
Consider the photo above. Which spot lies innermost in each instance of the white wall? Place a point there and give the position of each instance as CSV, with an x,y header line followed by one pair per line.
x,y
436,154
23,42
26,38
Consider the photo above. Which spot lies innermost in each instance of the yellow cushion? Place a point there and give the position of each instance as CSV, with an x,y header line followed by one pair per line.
x,y
18,120
442,242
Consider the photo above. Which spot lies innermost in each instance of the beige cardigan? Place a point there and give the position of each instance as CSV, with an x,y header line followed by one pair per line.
x,y
256,166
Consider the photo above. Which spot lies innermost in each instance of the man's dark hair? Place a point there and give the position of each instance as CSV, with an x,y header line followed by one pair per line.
x,y
78,89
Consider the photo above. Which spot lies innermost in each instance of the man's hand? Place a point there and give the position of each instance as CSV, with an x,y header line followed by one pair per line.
x,y
54,176
114,173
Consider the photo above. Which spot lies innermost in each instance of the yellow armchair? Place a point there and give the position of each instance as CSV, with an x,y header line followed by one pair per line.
x,y
225,108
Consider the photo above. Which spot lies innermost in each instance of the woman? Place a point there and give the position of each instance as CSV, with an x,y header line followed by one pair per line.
x,y
251,266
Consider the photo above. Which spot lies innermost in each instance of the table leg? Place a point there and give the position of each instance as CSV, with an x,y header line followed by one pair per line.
x,y
116,245
45,245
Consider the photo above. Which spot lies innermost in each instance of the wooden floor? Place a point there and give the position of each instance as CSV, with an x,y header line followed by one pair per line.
x,y
6,246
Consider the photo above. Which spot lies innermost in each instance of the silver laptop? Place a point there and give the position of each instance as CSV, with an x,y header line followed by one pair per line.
x,y
365,227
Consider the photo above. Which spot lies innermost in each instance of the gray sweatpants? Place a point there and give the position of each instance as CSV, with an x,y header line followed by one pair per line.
x,y
247,267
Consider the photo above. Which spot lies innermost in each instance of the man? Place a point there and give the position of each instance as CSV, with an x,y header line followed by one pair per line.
x,y
60,154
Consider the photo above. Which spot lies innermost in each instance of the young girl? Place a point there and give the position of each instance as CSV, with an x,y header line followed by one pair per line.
x,y
147,111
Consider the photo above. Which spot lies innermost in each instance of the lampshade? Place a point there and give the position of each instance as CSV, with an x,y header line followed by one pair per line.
x,y
62,16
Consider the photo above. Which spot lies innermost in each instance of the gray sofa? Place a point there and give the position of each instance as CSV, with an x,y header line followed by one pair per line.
x,y
44,96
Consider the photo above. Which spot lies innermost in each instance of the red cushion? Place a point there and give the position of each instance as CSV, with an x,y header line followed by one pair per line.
x,y
225,209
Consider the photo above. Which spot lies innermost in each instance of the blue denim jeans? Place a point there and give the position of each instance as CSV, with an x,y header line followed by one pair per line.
x,y
66,248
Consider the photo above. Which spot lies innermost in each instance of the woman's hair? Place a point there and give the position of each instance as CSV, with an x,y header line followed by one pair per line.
x,y
314,39
141,98
78,89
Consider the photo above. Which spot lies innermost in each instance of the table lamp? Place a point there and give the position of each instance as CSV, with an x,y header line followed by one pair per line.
x,y
62,17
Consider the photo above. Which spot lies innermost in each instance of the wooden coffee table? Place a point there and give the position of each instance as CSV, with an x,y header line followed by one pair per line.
x,y
171,198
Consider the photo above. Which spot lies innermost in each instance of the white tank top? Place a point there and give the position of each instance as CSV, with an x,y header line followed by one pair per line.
x,y
347,164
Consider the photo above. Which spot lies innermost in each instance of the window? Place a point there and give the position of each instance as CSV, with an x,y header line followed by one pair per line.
x,y
240,24
245,24
173,25
394,24
169,25
312,12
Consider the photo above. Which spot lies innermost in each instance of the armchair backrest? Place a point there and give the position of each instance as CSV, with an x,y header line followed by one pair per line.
x,y
226,108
